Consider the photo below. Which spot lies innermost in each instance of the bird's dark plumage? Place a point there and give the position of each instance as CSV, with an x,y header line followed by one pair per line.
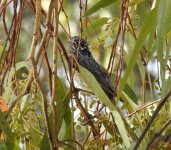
x,y
79,47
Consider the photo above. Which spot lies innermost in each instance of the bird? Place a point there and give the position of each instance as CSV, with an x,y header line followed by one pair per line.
x,y
81,51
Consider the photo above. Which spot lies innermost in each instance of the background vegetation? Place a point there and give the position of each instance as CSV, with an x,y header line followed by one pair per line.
x,y
46,104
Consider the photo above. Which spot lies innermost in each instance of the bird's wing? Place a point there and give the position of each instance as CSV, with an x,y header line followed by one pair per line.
x,y
99,73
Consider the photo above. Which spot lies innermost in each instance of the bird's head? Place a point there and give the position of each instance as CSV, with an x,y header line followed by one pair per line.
x,y
79,46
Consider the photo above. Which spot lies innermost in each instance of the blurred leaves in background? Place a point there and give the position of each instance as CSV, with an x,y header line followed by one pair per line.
x,y
47,101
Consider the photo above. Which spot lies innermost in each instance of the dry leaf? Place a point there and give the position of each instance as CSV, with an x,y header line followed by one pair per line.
x,y
3,105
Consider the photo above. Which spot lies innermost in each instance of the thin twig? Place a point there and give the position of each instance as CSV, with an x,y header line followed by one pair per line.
x,y
88,118
157,135
54,73
142,108
69,140
161,104
35,73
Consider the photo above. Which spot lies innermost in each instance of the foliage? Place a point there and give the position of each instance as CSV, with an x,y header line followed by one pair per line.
x,y
54,103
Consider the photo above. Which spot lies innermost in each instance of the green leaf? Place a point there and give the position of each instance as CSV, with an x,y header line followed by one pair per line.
x,y
95,87
44,144
2,145
66,130
164,16
9,93
60,90
130,92
7,131
68,122
121,128
36,136
151,44
2,44
109,127
94,26
62,97
61,108
167,85
62,100
148,25
4,53
131,106
167,81
99,5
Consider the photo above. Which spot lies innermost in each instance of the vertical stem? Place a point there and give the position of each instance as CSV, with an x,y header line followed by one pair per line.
x,y
34,65
81,25
54,72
